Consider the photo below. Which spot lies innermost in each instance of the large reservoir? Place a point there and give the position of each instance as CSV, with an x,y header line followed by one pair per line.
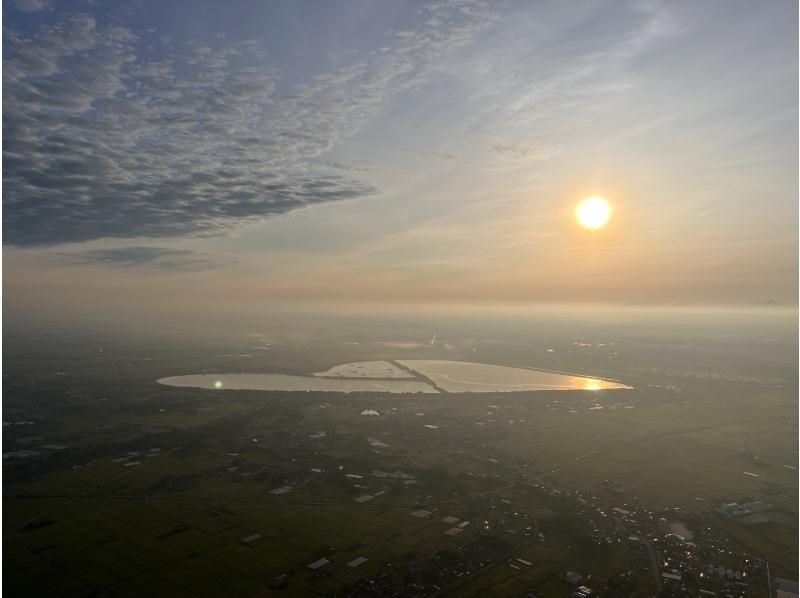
x,y
407,376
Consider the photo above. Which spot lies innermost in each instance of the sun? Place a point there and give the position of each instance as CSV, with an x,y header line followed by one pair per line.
x,y
593,213
218,384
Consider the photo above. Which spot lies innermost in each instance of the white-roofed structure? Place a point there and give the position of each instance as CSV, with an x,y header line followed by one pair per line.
x,y
318,564
357,561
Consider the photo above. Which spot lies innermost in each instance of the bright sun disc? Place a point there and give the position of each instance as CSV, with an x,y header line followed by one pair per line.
x,y
593,213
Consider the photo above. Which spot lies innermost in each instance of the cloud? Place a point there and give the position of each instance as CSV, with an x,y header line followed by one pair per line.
x,y
162,258
433,154
102,140
33,5
526,152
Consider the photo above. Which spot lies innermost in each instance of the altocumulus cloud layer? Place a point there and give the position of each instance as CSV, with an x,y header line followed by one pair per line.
x,y
111,132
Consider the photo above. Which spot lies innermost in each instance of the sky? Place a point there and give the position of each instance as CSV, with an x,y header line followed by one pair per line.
x,y
229,155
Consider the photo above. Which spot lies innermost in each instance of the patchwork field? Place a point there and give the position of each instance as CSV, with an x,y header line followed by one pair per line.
x,y
148,489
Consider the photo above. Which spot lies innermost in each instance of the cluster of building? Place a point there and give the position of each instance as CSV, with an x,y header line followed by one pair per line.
x,y
735,510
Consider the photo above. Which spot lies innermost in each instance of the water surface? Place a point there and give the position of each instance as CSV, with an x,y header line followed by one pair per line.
x,y
462,376
296,383
407,376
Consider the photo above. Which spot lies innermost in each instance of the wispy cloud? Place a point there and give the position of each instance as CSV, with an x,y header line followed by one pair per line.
x,y
161,258
526,152
33,5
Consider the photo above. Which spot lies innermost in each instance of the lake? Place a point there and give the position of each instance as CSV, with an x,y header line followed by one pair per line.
x,y
407,376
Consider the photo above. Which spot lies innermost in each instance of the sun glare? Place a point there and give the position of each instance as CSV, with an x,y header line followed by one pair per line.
x,y
592,384
593,213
